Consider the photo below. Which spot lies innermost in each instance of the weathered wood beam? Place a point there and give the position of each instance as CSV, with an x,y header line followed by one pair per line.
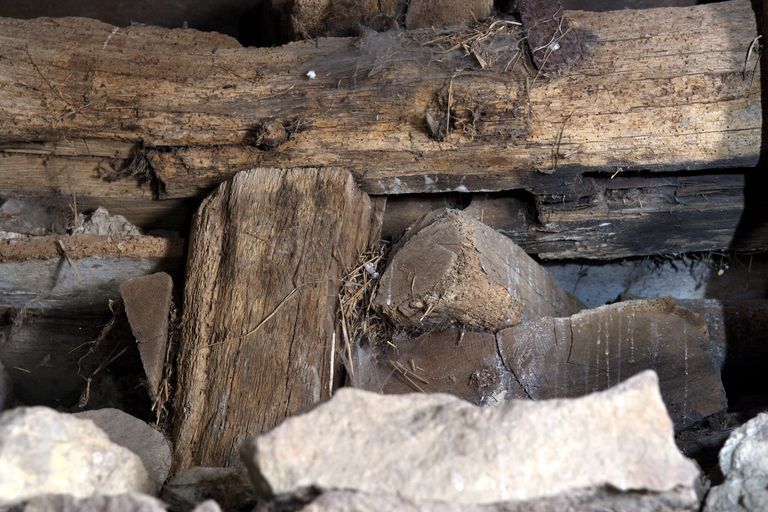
x,y
268,251
145,112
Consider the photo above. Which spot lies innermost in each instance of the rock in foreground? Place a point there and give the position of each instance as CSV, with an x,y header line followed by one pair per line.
x,y
46,452
744,462
429,448
132,433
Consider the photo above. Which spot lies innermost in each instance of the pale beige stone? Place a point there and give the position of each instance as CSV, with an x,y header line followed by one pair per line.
x,y
46,452
440,448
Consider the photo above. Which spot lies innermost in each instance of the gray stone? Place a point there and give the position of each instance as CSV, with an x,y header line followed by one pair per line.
x,y
66,503
440,448
102,223
744,463
229,487
147,302
208,506
132,433
46,452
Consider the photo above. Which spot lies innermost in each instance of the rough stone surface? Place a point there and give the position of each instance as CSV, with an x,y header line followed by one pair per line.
x,y
132,433
441,13
46,452
619,439
207,506
229,487
450,268
5,388
597,501
744,463
594,349
28,218
102,223
465,364
147,302
66,503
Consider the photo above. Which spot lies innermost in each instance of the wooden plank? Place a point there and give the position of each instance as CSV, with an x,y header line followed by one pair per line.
x,y
661,89
267,252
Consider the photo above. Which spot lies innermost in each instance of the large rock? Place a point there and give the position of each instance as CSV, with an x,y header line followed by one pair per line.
x,y
147,301
66,503
46,452
440,448
744,462
594,349
132,433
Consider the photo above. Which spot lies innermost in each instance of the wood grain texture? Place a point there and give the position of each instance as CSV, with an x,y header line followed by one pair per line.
x,y
267,253
659,89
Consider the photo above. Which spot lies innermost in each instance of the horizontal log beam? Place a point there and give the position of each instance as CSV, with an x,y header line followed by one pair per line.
x,y
146,112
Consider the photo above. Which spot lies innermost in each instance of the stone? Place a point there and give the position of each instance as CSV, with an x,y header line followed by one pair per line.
x,y
450,268
465,364
441,13
102,223
440,448
66,503
147,301
137,436
744,463
596,348
46,452
228,487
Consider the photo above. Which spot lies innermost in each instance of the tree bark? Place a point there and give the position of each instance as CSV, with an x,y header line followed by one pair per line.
x,y
267,253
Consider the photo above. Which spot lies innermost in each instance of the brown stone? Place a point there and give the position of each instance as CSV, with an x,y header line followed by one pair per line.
x,y
147,301
597,348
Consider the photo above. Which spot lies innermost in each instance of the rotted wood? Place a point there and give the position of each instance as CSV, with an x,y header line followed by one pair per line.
x,y
143,112
267,253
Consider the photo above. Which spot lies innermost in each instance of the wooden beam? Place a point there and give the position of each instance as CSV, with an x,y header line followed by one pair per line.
x,y
267,253
143,111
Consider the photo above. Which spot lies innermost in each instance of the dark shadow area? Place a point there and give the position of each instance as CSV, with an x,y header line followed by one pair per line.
x,y
746,322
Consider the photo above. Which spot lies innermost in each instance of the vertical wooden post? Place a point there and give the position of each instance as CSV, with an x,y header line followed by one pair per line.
x,y
267,253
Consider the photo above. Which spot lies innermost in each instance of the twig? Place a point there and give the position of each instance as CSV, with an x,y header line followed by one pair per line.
x,y
261,323
63,251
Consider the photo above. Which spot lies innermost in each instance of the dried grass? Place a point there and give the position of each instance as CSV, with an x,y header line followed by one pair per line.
x,y
495,44
359,321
